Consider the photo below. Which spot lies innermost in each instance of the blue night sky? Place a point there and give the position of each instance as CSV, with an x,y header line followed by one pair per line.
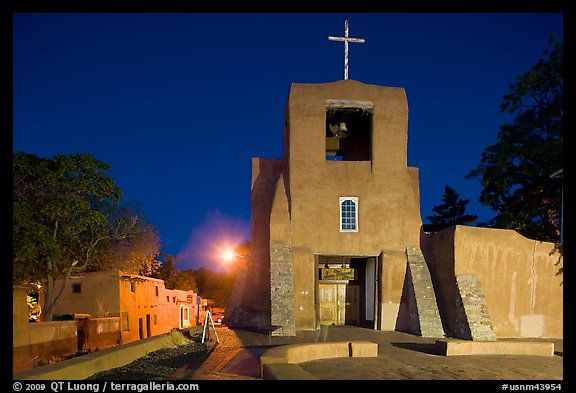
x,y
178,104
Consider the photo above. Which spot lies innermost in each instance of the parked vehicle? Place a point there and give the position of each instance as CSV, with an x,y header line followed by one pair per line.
x,y
218,318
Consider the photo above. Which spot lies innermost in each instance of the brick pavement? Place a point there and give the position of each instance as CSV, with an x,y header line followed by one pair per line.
x,y
214,365
400,357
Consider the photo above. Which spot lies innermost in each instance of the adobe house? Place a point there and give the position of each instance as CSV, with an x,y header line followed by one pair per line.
x,y
143,304
336,235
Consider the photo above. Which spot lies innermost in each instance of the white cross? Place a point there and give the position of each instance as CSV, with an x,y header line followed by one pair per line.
x,y
346,40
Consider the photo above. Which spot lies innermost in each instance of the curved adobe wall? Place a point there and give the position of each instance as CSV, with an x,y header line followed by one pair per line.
x,y
522,291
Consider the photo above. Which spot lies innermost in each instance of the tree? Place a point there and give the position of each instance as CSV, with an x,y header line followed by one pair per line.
x,y
515,172
215,285
184,280
167,267
134,252
450,212
66,213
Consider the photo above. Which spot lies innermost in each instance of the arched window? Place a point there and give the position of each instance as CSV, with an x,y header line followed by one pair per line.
x,y
348,214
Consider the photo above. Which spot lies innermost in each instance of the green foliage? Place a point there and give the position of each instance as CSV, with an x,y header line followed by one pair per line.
x,y
167,267
173,279
33,307
515,172
128,243
450,212
54,203
208,284
184,280
559,248
215,285
67,216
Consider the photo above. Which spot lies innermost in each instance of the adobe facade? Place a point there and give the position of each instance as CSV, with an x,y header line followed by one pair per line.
x,y
336,233
143,304
517,278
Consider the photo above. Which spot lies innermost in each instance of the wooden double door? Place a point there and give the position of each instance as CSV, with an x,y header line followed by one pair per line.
x,y
339,304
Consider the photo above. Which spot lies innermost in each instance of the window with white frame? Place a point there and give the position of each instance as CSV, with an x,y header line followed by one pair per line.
x,y
348,214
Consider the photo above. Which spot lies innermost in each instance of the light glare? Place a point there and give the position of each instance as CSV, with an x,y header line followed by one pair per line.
x,y
229,255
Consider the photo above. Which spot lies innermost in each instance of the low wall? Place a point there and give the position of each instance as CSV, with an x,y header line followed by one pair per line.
x,y
37,343
518,278
467,348
281,363
87,365
102,333
42,341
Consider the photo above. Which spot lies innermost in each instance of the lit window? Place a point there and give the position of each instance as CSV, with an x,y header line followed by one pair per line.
x,y
348,214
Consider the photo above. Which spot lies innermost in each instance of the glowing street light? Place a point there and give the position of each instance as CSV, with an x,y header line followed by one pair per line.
x,y
230,255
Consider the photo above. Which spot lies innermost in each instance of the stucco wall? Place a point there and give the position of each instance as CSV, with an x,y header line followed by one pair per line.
x,y
102,333
295,200
19,317
438,250
113,293
151,300
387,191
35,343
391,284
522,292
44,341
98,296
266,178
385,185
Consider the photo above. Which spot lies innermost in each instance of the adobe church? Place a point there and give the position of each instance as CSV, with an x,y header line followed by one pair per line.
x,y
337,235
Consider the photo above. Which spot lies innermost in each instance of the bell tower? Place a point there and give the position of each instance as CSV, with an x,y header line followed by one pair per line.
x,y
332,218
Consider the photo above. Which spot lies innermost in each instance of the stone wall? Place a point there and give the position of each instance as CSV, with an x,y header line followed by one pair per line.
x,y
282,289
472,319
423,315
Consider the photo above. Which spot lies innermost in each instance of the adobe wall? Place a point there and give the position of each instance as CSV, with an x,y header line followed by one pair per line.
x,y
102,293
35,342
266,174
517,275
19,317
98,296
150,299
391,285
110,294
315,185
102,333
46,340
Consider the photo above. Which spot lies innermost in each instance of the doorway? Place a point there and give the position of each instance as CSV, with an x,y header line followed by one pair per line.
x,y
339,304
148,326
346,290
140,328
